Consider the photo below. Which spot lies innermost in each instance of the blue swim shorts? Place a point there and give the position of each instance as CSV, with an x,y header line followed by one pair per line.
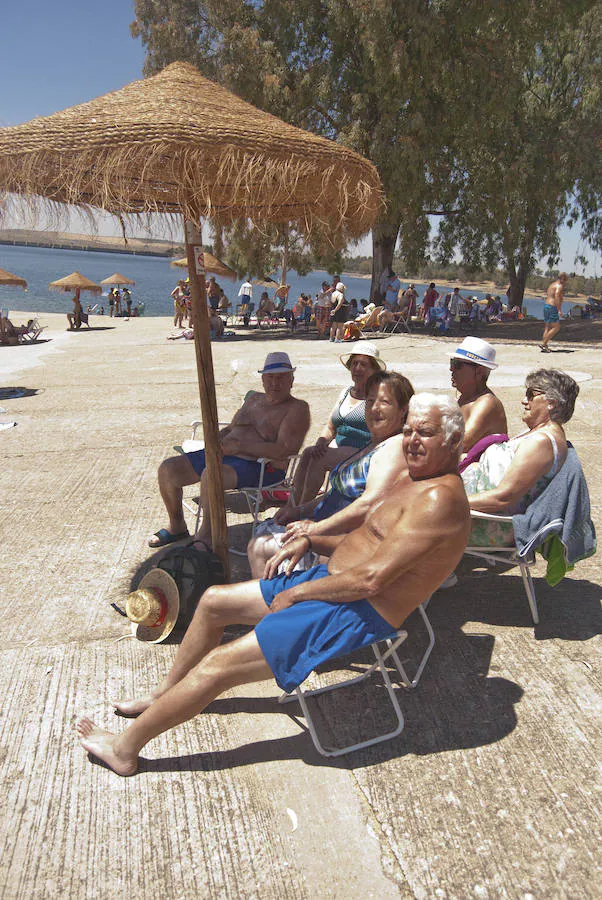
x,y
247,470
550,313
297,639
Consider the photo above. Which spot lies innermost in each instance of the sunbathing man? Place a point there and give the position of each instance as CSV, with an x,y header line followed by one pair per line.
x,y
470,366
552,310
375,577
273,424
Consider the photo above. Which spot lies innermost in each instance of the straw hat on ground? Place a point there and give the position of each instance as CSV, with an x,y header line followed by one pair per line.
x,y
364,349
153,609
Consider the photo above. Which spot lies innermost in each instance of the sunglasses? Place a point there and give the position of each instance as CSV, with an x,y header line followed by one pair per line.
x,y
533,392
458,363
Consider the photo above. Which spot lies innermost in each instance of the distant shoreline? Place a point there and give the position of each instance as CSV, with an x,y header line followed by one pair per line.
x,y
59,240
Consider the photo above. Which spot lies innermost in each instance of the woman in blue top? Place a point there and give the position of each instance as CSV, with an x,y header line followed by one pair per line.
x,y
354,484
346,430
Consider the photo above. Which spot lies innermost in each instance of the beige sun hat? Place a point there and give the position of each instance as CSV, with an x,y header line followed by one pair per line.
x,y
154,607
364,348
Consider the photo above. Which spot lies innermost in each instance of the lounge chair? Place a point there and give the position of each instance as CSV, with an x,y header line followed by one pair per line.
x,y
32,333
369,323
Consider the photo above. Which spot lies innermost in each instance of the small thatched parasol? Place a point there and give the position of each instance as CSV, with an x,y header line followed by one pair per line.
x,y
212,264
116,279
265,282
75,282
10,280
177,143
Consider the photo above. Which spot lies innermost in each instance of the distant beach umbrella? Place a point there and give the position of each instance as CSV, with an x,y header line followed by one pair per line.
x,y
177,143
117,280
10,280
75,282
212,264
266,282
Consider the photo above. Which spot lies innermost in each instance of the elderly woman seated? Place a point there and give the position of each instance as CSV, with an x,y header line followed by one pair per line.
x,y
511,475
356,483
346,430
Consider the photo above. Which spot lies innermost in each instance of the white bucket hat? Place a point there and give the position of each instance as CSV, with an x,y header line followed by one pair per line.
x,y
364,349
476,351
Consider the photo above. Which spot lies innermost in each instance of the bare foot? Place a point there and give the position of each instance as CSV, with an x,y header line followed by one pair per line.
x,y
101,744
133,708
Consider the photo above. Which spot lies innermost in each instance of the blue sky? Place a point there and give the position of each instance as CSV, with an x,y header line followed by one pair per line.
x,y
56,53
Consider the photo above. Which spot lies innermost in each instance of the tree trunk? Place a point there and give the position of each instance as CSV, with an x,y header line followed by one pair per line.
x,y
284,267
516,288
384,240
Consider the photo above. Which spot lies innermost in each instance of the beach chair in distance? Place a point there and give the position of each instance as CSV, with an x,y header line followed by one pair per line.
x,y
33,332
369,323
402,320
383,651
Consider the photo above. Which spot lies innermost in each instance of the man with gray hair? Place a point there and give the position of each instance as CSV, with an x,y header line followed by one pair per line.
x,y
376,576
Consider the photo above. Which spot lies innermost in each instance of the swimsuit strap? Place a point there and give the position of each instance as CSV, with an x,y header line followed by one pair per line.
x,y
555,465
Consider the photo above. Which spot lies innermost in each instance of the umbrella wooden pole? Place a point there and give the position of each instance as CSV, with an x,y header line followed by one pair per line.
x,y
204,363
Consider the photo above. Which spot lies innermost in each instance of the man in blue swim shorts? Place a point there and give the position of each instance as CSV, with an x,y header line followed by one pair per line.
x,y
376,575
272,424
552,310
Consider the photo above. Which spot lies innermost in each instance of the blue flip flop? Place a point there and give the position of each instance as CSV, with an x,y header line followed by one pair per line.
x,y
165,537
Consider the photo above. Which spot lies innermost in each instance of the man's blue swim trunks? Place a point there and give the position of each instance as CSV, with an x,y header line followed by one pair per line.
x,y
297,639
550,313
247,470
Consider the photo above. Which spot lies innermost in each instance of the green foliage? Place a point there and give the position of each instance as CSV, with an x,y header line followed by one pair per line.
x,y
487,113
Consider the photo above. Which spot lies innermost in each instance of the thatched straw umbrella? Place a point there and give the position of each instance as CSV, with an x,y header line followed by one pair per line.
x,y
177,143
10,280
212,264
117,280
75,282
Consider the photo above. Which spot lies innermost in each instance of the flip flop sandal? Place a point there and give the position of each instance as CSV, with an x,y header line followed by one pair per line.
x,y
164,537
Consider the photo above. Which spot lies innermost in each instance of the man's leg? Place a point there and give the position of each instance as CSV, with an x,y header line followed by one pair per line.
x,y
220,605
174,474
240,662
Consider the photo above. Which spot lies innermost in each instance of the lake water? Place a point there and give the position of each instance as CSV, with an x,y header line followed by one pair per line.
x,y
155,279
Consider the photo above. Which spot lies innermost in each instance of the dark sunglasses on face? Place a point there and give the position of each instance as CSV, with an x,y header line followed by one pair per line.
x,y
533,392
458,363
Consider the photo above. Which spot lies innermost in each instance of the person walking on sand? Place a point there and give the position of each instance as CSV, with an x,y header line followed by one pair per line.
x,y
552,311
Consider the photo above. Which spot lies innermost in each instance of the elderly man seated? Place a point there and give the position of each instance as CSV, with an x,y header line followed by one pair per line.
x,y
271,424
376,576
470,366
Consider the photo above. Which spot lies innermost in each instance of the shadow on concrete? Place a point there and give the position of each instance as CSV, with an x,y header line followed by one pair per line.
x,y
15,393
456,707
570,611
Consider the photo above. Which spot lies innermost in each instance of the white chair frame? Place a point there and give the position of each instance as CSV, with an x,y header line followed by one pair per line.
x,y
389,650
508,556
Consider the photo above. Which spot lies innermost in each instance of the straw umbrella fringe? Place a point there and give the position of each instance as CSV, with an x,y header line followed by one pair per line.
x,y
75,282
9,280
173,160
117,279
212,264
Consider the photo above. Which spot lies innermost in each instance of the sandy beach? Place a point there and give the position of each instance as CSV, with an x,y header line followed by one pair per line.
x,y
490,791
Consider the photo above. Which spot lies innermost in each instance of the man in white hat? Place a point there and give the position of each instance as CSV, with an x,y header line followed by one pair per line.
x,y
375,577
271,424
470,366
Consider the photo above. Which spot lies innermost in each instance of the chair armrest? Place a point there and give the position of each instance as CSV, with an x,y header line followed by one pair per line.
x,y
475,514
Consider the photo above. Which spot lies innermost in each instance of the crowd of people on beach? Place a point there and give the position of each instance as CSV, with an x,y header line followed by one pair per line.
x,y
336,571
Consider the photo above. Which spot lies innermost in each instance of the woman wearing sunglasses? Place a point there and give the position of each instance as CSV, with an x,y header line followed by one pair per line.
x,y
509,476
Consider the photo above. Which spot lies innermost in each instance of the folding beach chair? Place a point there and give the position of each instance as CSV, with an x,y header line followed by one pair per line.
x,y
508,556
557,524
383,651
253,495
402,320
34,330
369,323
